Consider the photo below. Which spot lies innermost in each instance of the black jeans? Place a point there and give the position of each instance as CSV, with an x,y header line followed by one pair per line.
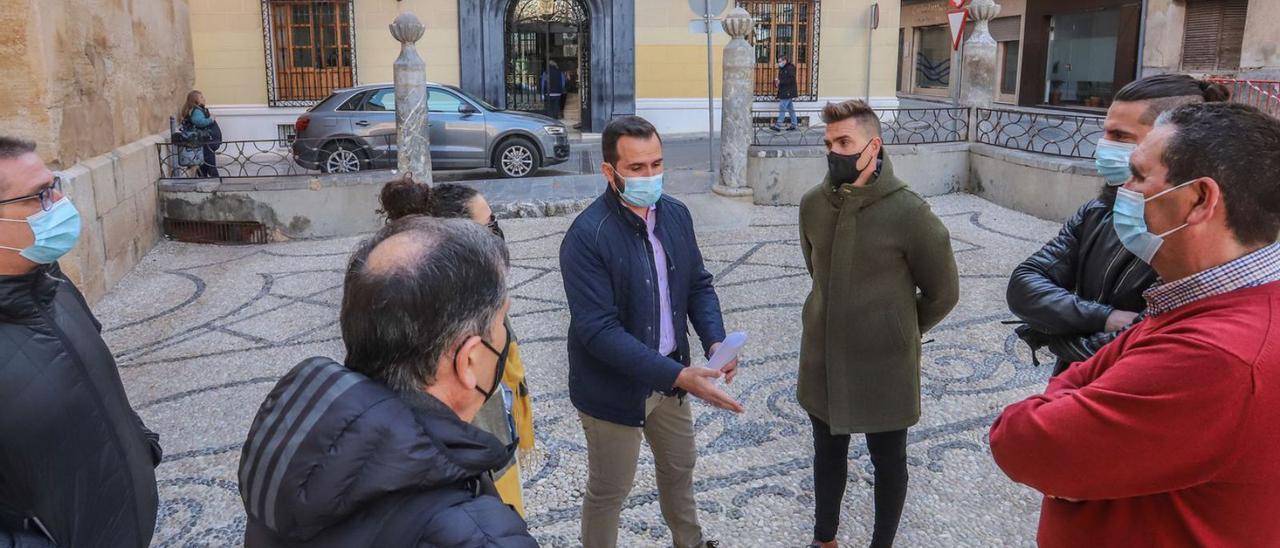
x,y
209,167
831,473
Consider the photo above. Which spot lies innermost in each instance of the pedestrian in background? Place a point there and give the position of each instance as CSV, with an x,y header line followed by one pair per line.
x,y
1168,435
634,279
883,274
510,417
788,90
1082,289
553,84
378,451
76,462
198,122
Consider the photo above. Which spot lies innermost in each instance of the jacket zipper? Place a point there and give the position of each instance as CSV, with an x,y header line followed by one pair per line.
x,y
1102,287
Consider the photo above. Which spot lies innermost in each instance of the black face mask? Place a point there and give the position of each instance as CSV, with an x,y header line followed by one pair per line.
x,y
493,227
500,369
843,169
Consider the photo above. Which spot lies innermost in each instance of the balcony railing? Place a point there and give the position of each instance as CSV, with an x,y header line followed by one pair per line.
x,y
1263,94
903,126
274,157
1056,134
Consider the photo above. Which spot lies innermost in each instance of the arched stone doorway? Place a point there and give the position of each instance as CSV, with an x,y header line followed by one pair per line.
x,y
546,52
605,51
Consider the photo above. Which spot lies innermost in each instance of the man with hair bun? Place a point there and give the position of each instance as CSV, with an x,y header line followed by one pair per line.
x,y
1083,288
1168,436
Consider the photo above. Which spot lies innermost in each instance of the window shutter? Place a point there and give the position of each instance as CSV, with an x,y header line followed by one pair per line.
x,y
1214,34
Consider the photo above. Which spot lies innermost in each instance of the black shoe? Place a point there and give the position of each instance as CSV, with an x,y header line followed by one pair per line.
x,y
776,128
712,544
792,128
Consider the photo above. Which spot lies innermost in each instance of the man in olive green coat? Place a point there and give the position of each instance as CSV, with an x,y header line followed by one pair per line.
x,y
883,274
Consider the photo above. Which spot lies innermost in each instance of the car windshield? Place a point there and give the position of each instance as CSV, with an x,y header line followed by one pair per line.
x,y
478,100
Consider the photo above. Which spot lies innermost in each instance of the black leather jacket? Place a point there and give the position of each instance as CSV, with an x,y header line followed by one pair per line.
x,y
1065,291
76,463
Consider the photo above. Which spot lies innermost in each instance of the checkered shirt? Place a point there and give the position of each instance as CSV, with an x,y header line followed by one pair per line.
x,y
1252,270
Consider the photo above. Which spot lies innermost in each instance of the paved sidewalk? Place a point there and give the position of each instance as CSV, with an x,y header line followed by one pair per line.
x,y
203,332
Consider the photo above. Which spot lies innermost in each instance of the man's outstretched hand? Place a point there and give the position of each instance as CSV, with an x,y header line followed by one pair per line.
x,y
730,369
697,381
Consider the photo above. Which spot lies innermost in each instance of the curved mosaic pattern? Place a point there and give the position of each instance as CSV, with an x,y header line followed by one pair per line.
x,y
203,332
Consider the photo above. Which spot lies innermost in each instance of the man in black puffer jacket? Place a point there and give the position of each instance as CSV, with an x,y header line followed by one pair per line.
x,y
76,462
1083,288
378,452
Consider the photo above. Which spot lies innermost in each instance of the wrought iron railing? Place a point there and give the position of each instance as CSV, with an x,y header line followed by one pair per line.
x,y
1057,134
1263,94
274,157
903,126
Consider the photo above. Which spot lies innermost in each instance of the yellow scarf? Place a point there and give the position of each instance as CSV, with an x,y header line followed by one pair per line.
x,y
521,407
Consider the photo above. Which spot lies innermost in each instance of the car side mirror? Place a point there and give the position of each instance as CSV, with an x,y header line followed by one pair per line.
x,y
467,109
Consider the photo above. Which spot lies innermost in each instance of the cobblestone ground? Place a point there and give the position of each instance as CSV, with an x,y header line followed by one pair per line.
x,y
202,333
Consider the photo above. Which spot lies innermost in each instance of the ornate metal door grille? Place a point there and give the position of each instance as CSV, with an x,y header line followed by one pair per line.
x,y
310,49
539,31
789,28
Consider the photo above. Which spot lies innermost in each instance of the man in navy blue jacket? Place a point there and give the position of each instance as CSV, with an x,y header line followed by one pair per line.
x,y
635,279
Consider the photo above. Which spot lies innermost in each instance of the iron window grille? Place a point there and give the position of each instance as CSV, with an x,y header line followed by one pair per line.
x,y
790,28
310,49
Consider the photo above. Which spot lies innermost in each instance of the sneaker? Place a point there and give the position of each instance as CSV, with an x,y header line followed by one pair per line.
x,y
792,128
712,544
775,128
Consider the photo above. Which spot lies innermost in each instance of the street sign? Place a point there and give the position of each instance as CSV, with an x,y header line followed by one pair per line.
x,y
957,19
957,4
699,26
716,6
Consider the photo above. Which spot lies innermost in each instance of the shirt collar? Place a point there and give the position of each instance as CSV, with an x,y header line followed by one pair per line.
x,y
1258,268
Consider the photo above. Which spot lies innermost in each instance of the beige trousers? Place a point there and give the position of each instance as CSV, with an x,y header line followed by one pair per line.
x,y
612,454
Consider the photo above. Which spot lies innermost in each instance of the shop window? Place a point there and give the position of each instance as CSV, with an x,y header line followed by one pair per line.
x,y
933,58
1082,58
1213,35
310,49
790,29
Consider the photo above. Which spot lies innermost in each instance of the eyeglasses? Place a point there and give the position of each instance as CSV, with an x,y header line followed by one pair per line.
x,y
46,195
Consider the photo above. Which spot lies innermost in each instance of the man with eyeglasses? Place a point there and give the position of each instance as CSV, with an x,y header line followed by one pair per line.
x,y
76,462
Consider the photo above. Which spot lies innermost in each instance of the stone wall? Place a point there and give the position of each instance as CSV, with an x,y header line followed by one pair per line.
x,y
84,77
1048,187
781,175
116,196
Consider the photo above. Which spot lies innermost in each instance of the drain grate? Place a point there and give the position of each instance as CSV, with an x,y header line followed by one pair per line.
x,y
217,232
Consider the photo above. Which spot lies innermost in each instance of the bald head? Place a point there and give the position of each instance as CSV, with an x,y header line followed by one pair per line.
x,y
414,290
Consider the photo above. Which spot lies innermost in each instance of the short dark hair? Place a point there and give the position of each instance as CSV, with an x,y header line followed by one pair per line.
x,y
403,196
625,126
400,317
858,110
1165,92
13,147
1239,147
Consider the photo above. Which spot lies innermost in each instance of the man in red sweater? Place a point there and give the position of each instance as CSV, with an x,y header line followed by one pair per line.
x,y
1170,435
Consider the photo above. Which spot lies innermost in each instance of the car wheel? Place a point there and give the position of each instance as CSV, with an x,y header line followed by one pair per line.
x,y
342,157
516,158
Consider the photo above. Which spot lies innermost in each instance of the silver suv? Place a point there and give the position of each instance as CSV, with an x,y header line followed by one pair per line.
x,y
355,129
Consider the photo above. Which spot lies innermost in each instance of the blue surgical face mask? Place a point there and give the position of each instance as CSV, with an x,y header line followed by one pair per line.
x,y
1112,160
642,191
1129,217
56,230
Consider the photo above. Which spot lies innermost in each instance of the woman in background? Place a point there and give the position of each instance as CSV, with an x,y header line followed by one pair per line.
x,y
197,120
510,418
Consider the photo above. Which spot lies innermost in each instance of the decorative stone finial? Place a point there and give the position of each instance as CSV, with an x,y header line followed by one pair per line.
x,y
738,23
982,12
407,28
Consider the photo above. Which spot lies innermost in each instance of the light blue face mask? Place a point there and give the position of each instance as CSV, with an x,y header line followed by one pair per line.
x,y
642,191
56,230
1112,160
1129,217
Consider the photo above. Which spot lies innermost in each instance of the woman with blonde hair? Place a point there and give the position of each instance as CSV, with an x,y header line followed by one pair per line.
x,y
197,120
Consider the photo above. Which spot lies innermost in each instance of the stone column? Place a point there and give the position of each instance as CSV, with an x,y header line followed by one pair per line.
x,y
735,110
981,73
413,137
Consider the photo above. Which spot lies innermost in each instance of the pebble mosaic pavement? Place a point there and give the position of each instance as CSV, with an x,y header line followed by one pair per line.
x,y
201,334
